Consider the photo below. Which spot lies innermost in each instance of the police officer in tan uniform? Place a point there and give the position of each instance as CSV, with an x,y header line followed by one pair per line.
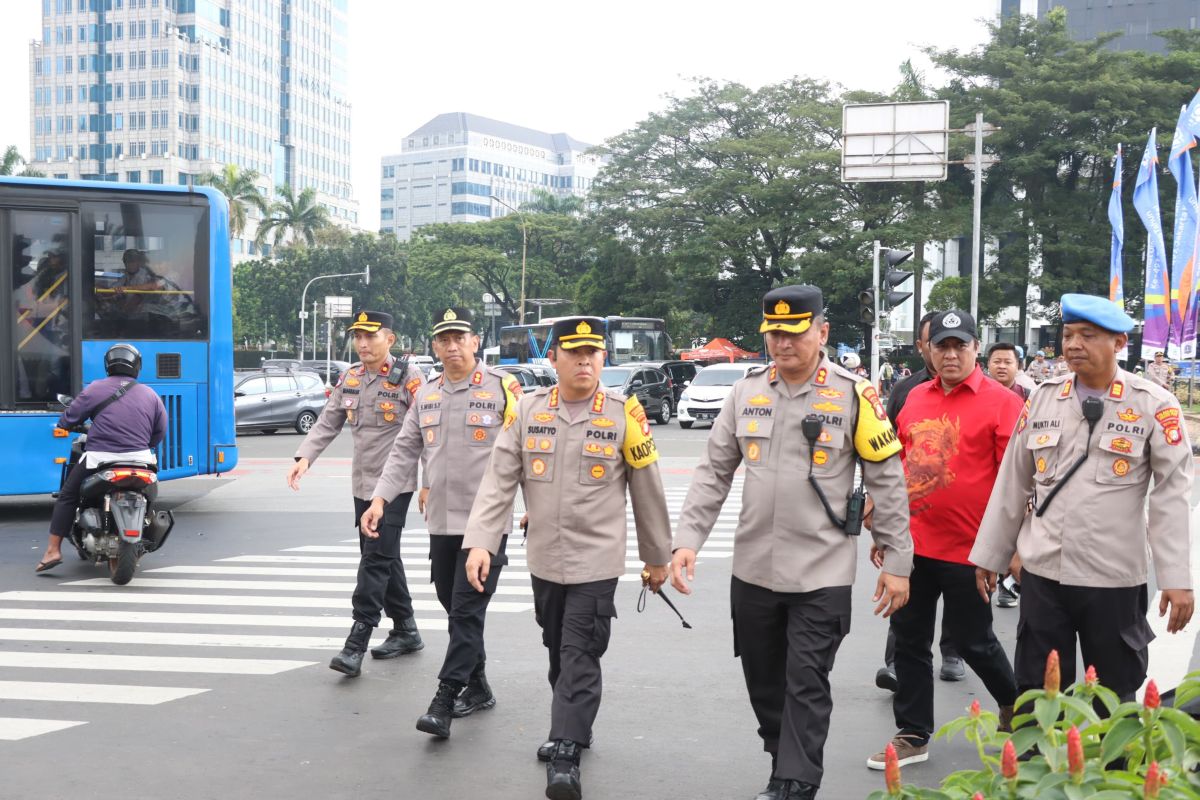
x,y
1159,371
1082,457
1040,369
574,449
372,397
457,419
800,426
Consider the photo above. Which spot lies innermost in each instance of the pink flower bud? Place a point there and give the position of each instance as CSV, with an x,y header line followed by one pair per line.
x,y
1154,781
1053,675
974,711
891,769
1090,678
1151,701
1008,761
1074,753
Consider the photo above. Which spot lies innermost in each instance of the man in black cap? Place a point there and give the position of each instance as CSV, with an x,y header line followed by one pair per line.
x,y
800,427
373,396
457,420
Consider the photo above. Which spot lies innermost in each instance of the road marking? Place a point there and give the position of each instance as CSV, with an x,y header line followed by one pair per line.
x,y
93,661
94,693
297,572
513,561
78,615
15,728
179,639
249,600
281,586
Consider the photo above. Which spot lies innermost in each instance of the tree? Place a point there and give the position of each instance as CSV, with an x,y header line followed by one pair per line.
x,y
240,188
293,217
12,159
544,202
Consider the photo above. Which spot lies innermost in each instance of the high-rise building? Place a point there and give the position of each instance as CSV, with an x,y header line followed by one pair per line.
x,y
463,168
1136,20
162,91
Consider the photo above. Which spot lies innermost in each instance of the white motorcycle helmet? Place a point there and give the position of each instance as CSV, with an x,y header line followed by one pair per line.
x,y
851,361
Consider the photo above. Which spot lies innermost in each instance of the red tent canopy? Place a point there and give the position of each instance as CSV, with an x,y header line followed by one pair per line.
x,y
717,350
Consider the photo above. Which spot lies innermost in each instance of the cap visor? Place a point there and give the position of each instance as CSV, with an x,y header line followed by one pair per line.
x,y
962,336
443,327
369,327
575,343
774,325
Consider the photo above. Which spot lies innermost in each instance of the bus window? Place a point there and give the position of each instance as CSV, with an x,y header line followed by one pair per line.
x,y
40,305
637,345
145,271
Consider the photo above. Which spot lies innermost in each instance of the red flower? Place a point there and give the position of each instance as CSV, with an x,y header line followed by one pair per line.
x,y
1090,678
1074,753
891,769
1151,701
1053,675
977,796
1155,780
1008,761
974,711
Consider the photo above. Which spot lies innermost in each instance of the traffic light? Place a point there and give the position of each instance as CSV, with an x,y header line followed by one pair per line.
x,y
893,277
866,306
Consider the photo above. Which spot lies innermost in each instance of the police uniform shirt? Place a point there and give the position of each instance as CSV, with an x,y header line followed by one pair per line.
x,y
574,474
1159,373
1095,531
1039,370
374,405
785,541
454,426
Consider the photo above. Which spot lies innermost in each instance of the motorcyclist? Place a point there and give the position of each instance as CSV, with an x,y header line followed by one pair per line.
x,y
128,419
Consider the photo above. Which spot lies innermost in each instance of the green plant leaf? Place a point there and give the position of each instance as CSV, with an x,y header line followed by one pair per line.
x,y
1047,711
1083,710
1118,736
1175,739
1025,738
950,729
1029,697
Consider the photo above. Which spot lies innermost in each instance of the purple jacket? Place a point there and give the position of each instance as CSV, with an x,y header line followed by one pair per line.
x,y
135,422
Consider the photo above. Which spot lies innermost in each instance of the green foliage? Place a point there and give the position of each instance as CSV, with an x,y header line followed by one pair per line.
x,y
240,188
12,159
293,218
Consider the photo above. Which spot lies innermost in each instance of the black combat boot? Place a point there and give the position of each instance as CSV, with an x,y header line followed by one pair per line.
x,y
562,773
402,640
546,751
476,696
797,790
436,720
349,661
774,785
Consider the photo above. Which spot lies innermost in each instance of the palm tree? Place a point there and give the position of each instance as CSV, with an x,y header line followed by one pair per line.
x,y
544,202
240,189
12,159
293,216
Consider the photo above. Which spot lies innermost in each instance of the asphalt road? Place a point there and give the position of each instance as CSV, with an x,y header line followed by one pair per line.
x,y
207,677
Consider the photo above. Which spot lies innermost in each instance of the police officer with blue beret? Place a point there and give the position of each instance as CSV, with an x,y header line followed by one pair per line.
x,y
1070,499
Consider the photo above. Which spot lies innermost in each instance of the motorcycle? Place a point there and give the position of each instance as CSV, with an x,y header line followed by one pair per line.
x,y
115,520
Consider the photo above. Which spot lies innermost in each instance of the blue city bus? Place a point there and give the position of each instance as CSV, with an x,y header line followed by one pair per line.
x,y
629,339
88,264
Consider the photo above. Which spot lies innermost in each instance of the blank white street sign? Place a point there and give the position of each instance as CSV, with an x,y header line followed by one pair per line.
x,y
895,141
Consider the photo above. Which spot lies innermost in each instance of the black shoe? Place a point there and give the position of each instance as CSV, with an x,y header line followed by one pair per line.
x,y
402,640
476,696
774,786
953,669
1005,598
547,748
885,678
562,773
349,661
797,790
436,720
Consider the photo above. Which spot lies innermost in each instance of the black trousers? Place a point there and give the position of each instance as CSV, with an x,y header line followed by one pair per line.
x,y
63,515
969,621
381,585
944,645
787,642
1110,624
464,606
576,621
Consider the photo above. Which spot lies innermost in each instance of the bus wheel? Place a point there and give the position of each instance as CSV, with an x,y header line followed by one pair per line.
x,y
305,421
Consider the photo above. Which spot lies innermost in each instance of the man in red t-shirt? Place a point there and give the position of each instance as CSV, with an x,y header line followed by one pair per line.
x,y
954,430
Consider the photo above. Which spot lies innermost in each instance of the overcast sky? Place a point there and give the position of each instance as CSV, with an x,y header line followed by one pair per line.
x,y
587,69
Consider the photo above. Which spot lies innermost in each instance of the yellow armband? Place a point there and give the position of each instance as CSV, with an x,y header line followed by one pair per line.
x,y
512,391
639,448
874,437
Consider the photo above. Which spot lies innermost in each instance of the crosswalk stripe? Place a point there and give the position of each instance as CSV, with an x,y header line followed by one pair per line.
x,y
280,586
13,729
80,615
513,561
247,600
306,572
93,661
94,692
177,639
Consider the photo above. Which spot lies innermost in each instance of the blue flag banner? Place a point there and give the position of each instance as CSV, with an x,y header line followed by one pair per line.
x,y
1157,319
1183,256
1116,218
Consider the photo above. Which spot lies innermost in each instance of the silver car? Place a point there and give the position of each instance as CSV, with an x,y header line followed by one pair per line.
x,y
267,401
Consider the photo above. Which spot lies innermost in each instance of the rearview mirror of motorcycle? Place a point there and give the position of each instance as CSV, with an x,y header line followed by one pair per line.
x,y
65,400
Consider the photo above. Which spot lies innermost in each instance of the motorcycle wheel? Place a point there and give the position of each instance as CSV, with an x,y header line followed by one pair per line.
x,y
121,568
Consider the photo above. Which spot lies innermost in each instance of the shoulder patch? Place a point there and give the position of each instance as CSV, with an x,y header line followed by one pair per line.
x,y
639,448
757,370
874,437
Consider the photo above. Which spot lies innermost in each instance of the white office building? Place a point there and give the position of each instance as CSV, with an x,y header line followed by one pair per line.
x,y
161,91
458,167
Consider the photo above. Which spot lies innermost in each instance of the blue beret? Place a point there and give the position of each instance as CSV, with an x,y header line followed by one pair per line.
x,y
1100,311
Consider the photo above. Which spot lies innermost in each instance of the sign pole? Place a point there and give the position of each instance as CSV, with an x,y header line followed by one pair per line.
x,y
976,238
875,323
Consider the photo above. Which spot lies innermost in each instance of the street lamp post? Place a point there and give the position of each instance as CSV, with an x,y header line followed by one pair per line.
x,y
366,276
524,247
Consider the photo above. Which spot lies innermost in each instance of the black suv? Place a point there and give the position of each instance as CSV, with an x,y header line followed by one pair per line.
x,y
681,374
650,385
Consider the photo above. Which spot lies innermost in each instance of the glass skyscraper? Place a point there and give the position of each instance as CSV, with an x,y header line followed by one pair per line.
x,y
162,91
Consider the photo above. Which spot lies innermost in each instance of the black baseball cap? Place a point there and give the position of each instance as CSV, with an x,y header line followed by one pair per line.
x,y
952,324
